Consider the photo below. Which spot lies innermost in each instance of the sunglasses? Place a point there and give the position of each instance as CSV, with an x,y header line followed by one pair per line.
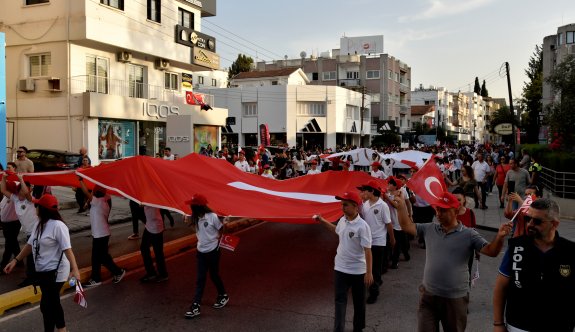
x,y
536,221
20,151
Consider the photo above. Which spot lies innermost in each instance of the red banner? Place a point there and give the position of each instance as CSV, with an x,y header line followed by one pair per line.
x,y
265,135
194,98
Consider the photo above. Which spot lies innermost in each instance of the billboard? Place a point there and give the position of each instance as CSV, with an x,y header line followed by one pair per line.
x,y
361,45
117,139
204,135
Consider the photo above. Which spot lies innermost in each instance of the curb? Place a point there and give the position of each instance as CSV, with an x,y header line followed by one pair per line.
x,y
130,261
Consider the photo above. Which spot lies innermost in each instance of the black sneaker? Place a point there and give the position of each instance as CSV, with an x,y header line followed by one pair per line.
x,y
148,278
194,311
394,266
161,278
221,301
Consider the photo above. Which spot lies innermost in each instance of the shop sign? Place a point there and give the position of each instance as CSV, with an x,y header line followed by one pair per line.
x,y
187,80
192,38
159,110
504,129
205,58
178,139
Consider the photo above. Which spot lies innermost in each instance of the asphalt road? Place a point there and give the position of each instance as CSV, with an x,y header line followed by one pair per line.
x,y
279,279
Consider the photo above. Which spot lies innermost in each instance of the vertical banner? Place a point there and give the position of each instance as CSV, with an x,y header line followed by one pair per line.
x,y
117,139
3,99
204,135
264,135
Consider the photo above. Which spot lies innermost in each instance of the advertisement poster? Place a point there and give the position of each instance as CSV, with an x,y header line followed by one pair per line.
x,y
204,135
117,139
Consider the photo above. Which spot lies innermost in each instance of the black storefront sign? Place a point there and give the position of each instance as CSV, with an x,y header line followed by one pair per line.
x,y
192,38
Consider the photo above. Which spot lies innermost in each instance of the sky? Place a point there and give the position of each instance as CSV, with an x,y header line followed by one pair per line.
x,y
447,43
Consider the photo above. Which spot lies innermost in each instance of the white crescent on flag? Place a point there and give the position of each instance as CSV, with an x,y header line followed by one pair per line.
x,y
428,183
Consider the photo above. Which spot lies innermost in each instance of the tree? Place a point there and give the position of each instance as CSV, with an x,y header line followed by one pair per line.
x,y
484,92
242,64
532,95
561,113
477,88
503,115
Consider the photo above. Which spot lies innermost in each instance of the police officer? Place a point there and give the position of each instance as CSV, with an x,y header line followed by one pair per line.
x,y
536,282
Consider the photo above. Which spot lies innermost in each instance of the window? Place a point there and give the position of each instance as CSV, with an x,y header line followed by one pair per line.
x,y
274,82
35,2
348,111
250,109
154,10
310,109
171,81
372,74
214,82
396,77
560,38
185,18
390,74
119,4
570,37
40,64
96,74
200,80
314,76
136,80
352,74
329,75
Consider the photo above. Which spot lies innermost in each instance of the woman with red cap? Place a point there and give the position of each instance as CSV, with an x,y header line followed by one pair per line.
x,y
208,231
53,258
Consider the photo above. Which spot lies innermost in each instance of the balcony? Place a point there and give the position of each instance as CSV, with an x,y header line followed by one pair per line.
x,y
404,109
351,82
130,89
404,88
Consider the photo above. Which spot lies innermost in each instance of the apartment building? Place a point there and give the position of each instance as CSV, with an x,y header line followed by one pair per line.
x,y
281,105
104,74
365,69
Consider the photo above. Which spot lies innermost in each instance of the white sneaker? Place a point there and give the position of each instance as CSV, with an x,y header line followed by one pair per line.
x,y
91,283
118,278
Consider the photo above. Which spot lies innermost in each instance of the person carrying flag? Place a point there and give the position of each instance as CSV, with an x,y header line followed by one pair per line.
x,y
517,216
208,231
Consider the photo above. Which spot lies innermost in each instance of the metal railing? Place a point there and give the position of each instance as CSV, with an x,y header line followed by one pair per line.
x,y
130,89
561,184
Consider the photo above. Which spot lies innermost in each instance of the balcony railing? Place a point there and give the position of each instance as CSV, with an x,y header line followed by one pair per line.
x,y
130,89
403,109
349,82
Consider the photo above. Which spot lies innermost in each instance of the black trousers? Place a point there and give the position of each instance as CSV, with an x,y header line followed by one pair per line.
x,y
377,254
52,312
137,213
401,246
10,229
483,189
208,262
101,256
343,282
166,213
157,242
80,199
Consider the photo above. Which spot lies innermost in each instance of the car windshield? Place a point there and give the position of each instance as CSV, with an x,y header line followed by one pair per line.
x,y
72,159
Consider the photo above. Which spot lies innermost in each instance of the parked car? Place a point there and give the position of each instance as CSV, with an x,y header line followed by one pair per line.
x,y
53,160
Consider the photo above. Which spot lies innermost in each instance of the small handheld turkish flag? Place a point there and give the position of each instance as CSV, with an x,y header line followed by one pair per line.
x,y
526,204
428,183
230,242
80,297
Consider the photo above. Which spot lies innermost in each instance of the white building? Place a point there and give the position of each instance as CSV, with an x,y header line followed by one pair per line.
x,y
103,74
294,112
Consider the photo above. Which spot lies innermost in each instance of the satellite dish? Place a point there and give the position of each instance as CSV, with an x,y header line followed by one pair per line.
x,y
302,54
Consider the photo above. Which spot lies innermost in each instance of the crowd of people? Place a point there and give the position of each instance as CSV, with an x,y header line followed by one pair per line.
x,y
375,230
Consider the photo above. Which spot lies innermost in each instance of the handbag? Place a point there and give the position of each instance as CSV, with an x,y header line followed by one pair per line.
x,y
44,277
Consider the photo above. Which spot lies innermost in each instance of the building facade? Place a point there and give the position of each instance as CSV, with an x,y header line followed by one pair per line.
x,y
383,77
291,111
104,74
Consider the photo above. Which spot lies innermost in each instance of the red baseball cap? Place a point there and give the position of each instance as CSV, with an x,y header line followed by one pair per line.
x,y
47,201
448,201
376,164
350,196
98,188
266,166
197,199
370,184
12,187
398,182
314,162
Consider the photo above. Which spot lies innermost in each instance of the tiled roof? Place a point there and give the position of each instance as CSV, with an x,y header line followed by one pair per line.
x,y
422,109
268,73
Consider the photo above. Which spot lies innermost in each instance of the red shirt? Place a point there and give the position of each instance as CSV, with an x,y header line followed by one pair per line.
x,y
501,172
467,218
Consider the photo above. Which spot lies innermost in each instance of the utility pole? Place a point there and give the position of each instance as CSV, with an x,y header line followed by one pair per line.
x,y
361,134
511,106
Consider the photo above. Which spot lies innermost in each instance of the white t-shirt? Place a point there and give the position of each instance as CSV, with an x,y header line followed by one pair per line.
x,y
354,236
207,231
313,171
393,214
26,212
458,163
7,210
480,170
377,217
378,174
52,242
170,157
387,170
266,174
99,213
154,221
243,165
300,166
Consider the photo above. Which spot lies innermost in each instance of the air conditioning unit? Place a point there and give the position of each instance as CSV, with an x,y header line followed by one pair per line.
x,y
162,64
27,85
124,56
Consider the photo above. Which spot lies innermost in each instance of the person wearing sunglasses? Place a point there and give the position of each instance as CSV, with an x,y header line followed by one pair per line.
x,y
536,282
23,164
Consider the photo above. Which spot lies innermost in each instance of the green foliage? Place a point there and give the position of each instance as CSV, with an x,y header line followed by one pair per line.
x,y
484,92
242,64
560,161
532,95
561,114
387,139
476,87
420,128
